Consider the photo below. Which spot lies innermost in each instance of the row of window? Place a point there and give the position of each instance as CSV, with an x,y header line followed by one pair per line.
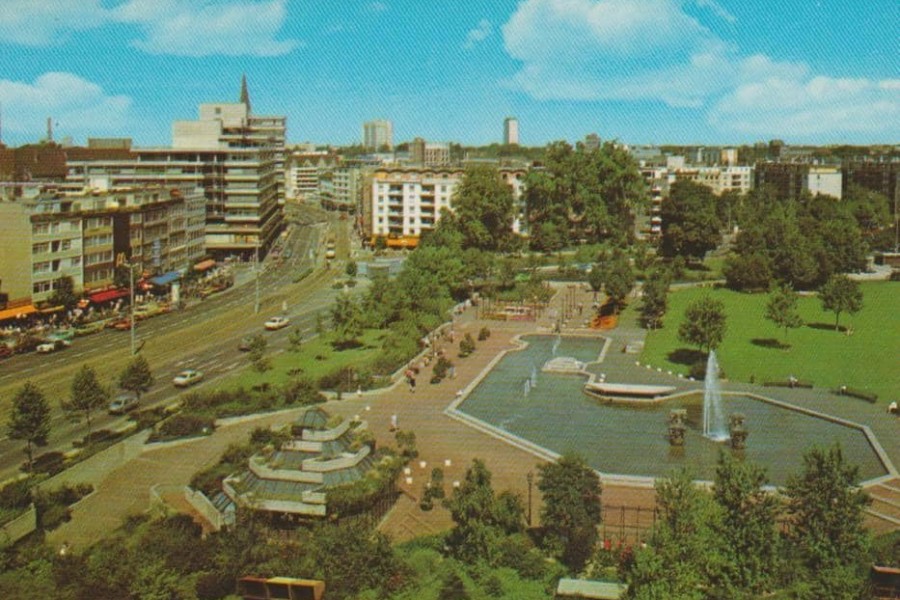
x,y
54,266
54,227
92,241
54,246
98,258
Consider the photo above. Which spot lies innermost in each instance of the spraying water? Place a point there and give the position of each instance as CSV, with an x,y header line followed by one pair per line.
x,y
526,389
713,416
556,343
533,376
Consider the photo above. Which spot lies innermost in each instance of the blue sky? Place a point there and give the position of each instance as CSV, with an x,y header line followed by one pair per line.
x,y
642,71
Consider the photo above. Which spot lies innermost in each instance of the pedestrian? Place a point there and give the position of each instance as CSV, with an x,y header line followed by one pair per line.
x,y
394,426
359,393
412,385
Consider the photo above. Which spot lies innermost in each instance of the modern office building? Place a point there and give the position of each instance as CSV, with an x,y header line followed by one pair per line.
x,y
406,202
306,170
510,131
378,134
236,156
84,236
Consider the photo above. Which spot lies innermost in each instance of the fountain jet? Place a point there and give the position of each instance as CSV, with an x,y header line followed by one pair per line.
x,y
713,418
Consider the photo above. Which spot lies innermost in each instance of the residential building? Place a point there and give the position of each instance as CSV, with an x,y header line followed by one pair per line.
x,y
511,131
407,202
592,141
306,170
84,236
881,177
378,134
236,156
429,154
790,180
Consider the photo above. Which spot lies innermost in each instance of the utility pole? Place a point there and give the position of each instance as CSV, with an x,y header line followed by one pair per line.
x,y
256,267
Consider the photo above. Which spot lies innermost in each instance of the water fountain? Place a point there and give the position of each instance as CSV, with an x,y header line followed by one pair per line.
x,y
526,388
713,418
533,376
556,343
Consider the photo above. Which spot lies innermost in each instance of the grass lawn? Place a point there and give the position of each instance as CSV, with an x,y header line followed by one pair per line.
x,y
866,360
316,358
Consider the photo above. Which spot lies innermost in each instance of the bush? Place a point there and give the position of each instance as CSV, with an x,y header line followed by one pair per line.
x,y
854,393
101,435
484,334
698,371
15,495
48,462
466,346
182,425
148,417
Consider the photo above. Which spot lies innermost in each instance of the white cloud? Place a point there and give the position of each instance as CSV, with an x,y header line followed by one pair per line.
x,y
179,27
652,50
376,6
76,104
46,22
811,106
205,28
480,33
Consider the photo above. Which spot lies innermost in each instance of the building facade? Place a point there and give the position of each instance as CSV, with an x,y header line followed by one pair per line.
x,y
790,180
378,134
511,131
85,236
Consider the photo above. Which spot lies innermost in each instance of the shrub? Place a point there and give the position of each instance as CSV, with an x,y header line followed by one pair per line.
x,y
302,391
15,495
484,334
466,346
49,462
182,425
441,367
101,435
148,417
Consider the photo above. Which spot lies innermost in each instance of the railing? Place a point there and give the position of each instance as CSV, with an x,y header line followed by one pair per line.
x,y
344,462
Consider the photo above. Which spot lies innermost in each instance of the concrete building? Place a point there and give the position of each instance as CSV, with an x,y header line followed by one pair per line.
x,y
881,177
511,131
429,154
789,180
84,236
406,202
378,134
306,170
237,157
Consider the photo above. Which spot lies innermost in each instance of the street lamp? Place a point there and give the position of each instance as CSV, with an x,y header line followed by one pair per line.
x,y
256,268
131,320
530,479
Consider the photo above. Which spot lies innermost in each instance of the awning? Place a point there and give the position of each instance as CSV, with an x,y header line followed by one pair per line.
x,y
14,313
52,309
205,265
107,295
165,279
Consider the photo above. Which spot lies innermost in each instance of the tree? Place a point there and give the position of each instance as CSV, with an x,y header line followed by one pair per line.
x,y
64,293
29,419
685,550
595,278
619,278
352,269
752,545
690,225
827,532
136,376
781,309
484,208
87,393
704,324
257,354
841,294
654,300
295,339
347,320
572,510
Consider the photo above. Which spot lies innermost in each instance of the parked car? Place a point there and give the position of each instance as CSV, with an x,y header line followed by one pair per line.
x,y
277,323
122,404
187,378
52,346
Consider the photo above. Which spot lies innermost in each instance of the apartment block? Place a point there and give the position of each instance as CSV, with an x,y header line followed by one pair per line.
x,y
378,134
510,131
84,236
789,180
881,177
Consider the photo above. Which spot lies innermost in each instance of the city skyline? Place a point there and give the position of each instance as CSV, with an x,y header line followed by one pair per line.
x,y
648,71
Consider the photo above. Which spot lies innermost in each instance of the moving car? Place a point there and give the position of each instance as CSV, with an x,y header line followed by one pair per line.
x,y
188,377
122,404
52,346
277,323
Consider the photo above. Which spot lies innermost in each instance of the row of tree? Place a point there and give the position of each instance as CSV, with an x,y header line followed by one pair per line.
x,y
30,418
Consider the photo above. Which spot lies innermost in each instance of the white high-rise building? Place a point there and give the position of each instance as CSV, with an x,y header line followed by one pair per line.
x,y
378,134
510,131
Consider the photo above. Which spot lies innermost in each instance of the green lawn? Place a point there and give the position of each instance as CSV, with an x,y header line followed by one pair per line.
x,y
867,359
316,358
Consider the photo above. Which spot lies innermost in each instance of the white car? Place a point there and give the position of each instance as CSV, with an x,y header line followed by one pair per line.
x,y
187,378
48,347
277,323
123,404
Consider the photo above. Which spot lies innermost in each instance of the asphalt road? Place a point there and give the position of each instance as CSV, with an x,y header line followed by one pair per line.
x,y
203,336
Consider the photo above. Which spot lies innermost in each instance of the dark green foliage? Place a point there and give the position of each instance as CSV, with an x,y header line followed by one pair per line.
x,y
29,419
841,294
466,346
572,510
136,376
483,204
87,394
182,425
690,225
257,353
351,269
654,300
782,309
483,334
441,367
406,442
346,319
64,293
704,324
295,339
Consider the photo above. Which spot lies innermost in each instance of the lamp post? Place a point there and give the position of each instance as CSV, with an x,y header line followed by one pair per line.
x,y
131,320
530,479
256,268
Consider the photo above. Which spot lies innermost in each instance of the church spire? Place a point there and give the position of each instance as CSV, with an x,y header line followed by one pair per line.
x,y
245,95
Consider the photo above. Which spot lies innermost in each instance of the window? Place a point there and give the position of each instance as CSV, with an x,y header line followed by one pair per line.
x,y
75,261
40,248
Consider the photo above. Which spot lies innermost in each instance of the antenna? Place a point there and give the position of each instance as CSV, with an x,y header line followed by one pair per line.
x,y
49,129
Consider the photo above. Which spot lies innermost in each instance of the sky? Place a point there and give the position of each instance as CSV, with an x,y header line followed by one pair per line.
x,y
640,71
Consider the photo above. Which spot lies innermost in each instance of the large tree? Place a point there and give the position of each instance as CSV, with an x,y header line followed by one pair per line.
x,y
572,510
484,208
136,377
654,298
704,324
87,394
29,419
690,225
346,318
840,294
618,277
752,545
64,293
827,533
781,309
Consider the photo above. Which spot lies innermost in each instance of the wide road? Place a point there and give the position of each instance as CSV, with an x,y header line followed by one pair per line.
x,y
204,336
